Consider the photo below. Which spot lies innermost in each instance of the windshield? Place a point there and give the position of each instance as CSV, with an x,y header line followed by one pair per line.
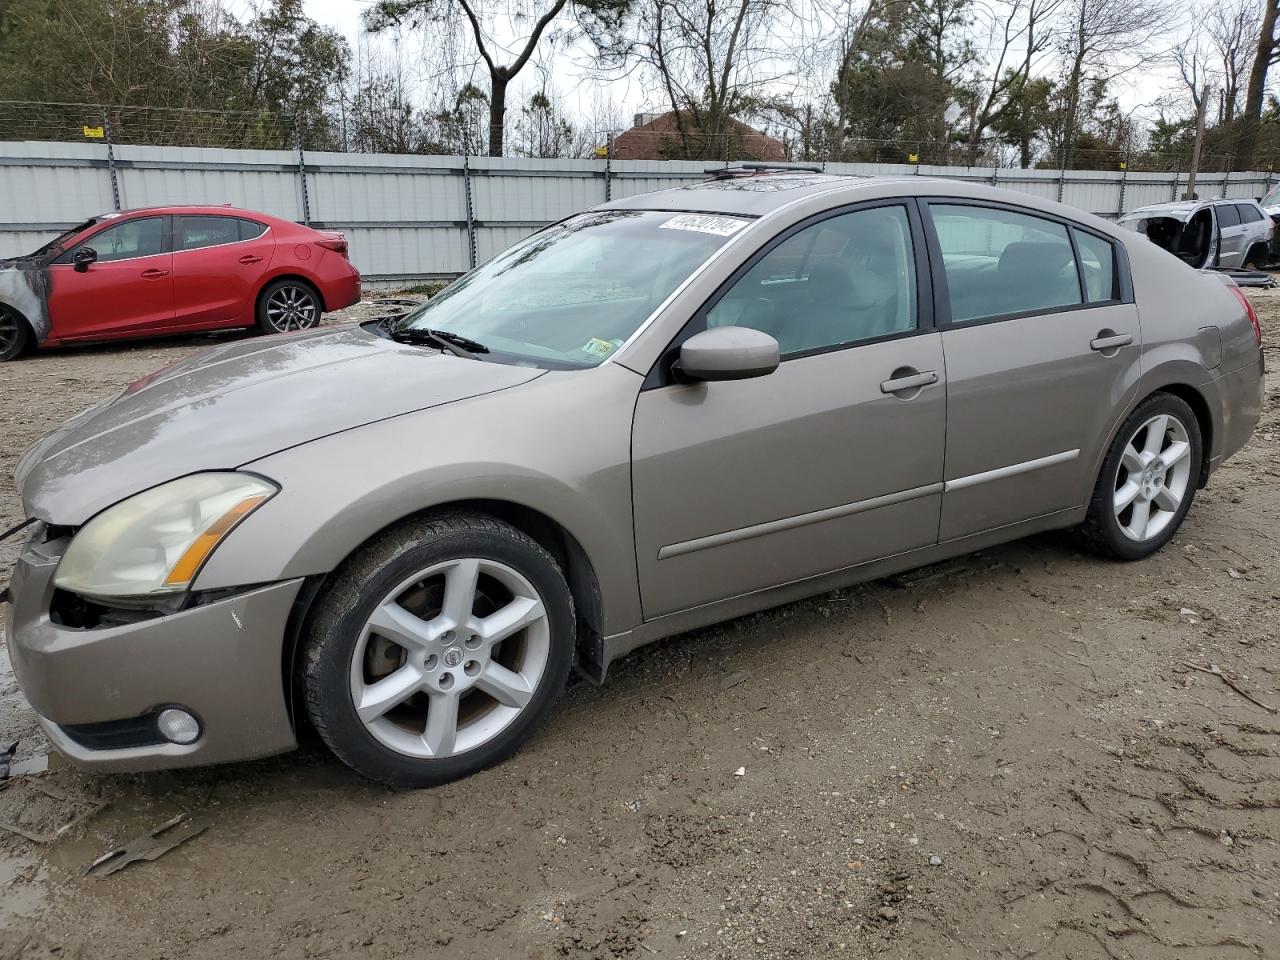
x,y
570,295
1271,198
58,241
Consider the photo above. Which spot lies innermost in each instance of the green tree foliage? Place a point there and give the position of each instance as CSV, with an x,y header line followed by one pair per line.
x,y
180,71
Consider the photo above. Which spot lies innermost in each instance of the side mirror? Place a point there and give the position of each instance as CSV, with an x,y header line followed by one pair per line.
x,y
727,353
83,257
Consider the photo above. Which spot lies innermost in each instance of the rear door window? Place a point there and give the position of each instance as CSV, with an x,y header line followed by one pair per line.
x,y
197,232
1248,213
999,263
1228,215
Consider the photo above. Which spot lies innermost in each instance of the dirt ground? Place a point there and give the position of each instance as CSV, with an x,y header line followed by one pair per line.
x,y
1002,756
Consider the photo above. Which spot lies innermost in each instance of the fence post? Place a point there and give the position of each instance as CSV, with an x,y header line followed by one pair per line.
x,y
1174,195
608,169
111,161
302,176
1062,183
471,222
1124,182
995,174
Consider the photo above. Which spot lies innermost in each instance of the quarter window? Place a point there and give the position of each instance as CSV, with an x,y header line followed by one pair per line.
x,y
1098,264
197,232
1000,263
251,229
840,281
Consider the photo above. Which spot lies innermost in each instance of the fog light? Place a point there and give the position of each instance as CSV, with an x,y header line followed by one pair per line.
x,y
178,726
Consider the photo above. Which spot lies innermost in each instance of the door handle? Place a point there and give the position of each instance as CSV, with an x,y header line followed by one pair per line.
x,y
249,258
154,274
913,381
1110,341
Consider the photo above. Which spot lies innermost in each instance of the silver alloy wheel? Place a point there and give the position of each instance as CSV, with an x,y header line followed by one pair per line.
x,y
9,330
450,658
292,307
1153,478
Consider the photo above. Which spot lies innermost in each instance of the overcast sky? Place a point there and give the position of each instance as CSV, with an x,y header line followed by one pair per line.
x,y
1138,91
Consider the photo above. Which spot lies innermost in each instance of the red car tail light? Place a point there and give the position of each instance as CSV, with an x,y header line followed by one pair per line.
x,y
1252,314
337,244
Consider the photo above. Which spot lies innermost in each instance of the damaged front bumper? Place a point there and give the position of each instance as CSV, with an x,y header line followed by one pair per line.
x,y
97,690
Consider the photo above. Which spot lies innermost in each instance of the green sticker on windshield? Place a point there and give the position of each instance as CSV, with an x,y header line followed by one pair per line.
x,y
599,348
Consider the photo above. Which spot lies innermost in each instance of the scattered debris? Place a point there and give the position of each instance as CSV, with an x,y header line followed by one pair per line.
x,y
935,861
91,807
1234,573
149,846
740,772
6,759
733,679
1213,671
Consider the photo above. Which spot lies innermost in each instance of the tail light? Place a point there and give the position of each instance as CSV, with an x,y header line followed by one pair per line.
x,y
1252,314
338,244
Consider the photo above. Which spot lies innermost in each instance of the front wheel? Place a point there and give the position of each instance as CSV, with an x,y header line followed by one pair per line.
x,y
287,305
15,335
436,650
1148,480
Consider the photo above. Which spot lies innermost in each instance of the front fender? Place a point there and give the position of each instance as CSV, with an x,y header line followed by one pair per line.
x,y
562,448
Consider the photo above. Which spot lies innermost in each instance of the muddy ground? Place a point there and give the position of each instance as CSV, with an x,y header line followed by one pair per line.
x,y
1003,756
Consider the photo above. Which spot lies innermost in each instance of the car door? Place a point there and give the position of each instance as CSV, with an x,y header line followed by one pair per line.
x,y
127,289
218,266
1231,235
835,458
1041,341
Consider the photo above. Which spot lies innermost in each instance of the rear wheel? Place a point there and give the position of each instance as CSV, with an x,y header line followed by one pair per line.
x,y
437,650
15,334
1257,258
1148,480
287,305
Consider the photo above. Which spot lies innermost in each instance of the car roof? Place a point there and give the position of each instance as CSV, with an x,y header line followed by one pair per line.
x,y
191,208
752,195
762,193
1186,206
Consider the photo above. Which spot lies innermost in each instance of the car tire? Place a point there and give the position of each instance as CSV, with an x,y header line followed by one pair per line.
x,y
288,305
400,608
1148,480
16,337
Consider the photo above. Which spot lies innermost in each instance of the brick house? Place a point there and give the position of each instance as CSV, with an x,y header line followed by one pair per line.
x,y
656,136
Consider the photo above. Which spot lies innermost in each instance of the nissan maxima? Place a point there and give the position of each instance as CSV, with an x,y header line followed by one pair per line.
x,y
660,413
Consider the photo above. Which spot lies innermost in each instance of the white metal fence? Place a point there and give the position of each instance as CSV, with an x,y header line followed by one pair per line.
x,y
410,217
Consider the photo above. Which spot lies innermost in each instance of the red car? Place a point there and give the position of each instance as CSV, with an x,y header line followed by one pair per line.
x,y
167,270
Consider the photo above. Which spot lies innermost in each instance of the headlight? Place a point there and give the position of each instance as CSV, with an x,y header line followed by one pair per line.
x,y
155,543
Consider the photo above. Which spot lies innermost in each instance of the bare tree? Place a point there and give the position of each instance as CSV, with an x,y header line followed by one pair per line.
x,y
712,59
486,21
1266,52
1018,36
1232,26
1100,39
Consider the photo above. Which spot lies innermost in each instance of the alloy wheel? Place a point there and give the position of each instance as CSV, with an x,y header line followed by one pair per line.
x,y
450,658
10,332
292,307
1153,478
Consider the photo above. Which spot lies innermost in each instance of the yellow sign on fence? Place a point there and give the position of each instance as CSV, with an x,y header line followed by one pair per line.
x,y
95,133
602,153
913,158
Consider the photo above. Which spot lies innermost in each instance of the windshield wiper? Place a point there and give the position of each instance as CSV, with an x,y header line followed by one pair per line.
x,y
454,343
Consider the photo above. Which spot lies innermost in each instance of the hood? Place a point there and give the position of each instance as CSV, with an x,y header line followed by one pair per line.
x,y
237,403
